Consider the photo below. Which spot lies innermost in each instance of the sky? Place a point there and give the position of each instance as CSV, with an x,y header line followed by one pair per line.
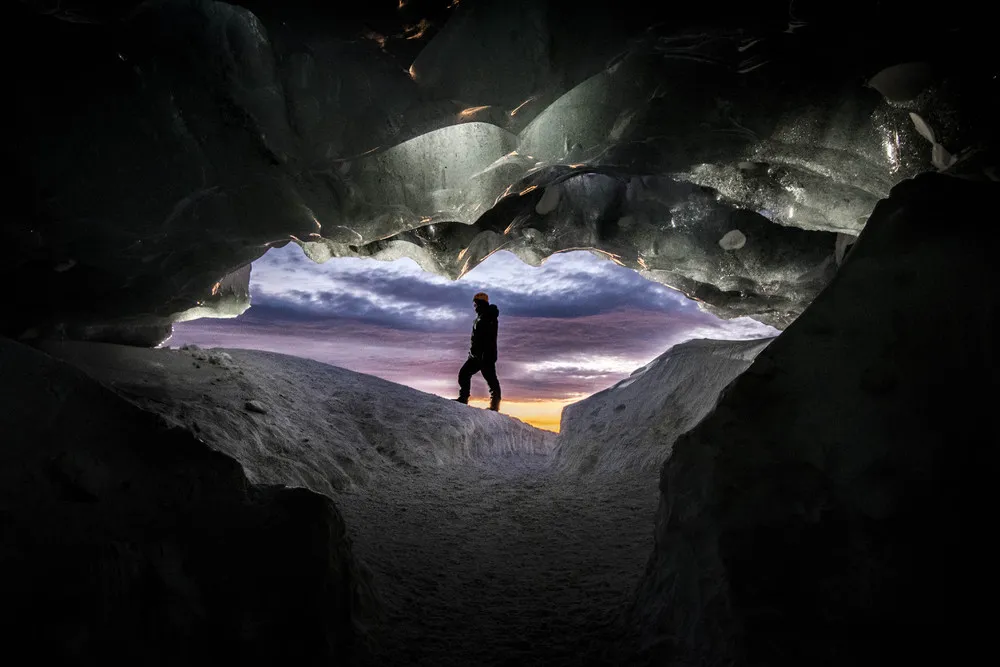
x,y
569,328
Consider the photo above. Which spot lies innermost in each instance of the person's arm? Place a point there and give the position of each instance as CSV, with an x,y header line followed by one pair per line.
x,y
491,345
476,345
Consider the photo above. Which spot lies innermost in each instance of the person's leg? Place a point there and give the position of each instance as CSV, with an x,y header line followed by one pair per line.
x,y
490,375
469,368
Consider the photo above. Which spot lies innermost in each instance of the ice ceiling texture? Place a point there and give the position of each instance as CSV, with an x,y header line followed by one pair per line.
x,y
733,153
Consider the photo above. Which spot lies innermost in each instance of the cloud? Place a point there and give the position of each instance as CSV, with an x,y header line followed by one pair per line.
x,y
400,295
540,358
569,328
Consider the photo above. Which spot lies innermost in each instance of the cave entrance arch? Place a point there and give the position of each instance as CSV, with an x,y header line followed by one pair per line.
x,y
573,325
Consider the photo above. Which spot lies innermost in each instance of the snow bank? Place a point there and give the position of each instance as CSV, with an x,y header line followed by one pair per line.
x,y
299,422
836,508
634,423
127,541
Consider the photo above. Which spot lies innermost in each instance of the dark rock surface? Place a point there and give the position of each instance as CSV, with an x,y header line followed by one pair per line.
x,y
125,541
836,507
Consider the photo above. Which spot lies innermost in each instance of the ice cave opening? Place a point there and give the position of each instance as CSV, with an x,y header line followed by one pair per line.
x,y
817,497
573,325
585,344
479,535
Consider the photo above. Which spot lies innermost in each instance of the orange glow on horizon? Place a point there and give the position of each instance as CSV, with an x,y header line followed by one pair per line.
x,y
545,415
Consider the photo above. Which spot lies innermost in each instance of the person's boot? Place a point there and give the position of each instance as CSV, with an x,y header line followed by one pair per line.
x,y
495,403
464,400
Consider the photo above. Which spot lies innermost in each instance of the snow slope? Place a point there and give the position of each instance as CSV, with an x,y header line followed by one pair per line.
x,y
837,507
634,423
129,542
480,551
299,422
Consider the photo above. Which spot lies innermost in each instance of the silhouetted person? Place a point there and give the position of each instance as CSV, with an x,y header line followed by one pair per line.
x,y
482,352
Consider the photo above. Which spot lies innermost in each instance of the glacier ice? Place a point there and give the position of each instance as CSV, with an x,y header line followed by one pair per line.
x,y
211,132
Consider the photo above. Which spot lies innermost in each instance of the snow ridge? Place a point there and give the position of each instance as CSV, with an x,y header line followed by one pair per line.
x,y
634,423
303,423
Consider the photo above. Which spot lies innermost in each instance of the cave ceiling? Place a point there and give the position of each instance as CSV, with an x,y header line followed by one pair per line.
x,y
730,152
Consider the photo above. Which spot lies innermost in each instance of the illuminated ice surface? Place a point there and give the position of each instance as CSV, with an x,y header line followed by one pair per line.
x,y
504,125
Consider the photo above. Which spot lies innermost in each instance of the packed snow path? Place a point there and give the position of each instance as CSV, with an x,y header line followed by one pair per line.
x,y
481,550
504,561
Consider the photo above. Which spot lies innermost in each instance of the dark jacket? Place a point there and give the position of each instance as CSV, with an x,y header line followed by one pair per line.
x,y
484,334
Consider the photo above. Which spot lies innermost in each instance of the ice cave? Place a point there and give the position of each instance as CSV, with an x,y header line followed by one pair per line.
x,y
815,497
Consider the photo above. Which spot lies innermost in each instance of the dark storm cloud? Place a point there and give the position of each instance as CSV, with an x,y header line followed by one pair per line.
x,y
378,298
401,296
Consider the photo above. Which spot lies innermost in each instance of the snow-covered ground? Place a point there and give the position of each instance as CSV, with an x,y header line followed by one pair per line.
x,y
481,551
299,422
633,424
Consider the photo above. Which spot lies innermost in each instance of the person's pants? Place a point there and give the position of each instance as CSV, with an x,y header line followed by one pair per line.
x,y
489,371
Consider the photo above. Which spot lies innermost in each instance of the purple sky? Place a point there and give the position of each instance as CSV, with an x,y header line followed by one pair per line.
x,y
569,328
